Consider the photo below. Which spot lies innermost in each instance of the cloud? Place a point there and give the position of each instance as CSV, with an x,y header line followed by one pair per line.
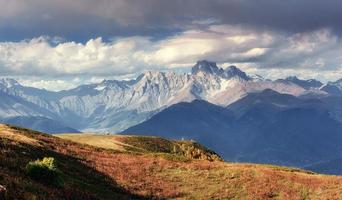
x,y
314,51
65,83
52,85
120,38
84,19
39,57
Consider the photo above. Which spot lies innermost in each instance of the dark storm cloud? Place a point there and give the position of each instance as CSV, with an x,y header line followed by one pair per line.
x,y
84,19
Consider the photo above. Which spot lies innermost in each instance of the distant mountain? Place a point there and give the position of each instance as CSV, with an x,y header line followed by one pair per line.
x,y
267,101
41,124
266,127
296,136
113,105
13,105
327,167
198,120
307,84
334,88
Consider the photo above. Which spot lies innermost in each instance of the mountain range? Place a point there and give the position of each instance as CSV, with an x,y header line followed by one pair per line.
x,y
288,121
113,106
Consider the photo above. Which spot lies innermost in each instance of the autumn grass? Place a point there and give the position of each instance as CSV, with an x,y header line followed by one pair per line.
x,y
152,170
80,180
169,149
239,181
97,140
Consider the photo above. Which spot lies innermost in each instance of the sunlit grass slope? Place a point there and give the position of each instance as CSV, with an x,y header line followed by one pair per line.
x,y
146,167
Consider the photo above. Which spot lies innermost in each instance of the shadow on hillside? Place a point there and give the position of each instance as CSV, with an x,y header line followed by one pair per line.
x,y
80,180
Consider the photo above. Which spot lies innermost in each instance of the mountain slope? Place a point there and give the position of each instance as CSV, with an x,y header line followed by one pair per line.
x,y
11,105
266,127
81,181
198,120
100,173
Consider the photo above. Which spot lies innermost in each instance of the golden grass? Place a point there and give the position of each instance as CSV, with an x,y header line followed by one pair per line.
x,y
101,141
6,132
169,149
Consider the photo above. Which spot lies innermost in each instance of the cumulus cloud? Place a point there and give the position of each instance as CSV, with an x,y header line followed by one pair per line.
x,y
315,50
39,57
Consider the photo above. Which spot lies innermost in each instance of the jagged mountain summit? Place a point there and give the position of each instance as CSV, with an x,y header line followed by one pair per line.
x,y
207,67
114,105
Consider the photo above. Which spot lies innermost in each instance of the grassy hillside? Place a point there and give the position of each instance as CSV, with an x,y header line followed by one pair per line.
x,y
113,167
183,150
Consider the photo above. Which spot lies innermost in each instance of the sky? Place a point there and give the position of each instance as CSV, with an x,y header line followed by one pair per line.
x,y
59,44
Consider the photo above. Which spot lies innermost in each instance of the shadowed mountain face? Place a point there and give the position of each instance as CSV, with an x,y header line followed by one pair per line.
x,y
265,127
193,120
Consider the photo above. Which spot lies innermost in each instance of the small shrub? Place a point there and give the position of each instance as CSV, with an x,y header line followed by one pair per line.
x,y
45,171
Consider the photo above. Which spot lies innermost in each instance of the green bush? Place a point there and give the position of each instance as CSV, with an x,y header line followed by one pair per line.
x,y
45,171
